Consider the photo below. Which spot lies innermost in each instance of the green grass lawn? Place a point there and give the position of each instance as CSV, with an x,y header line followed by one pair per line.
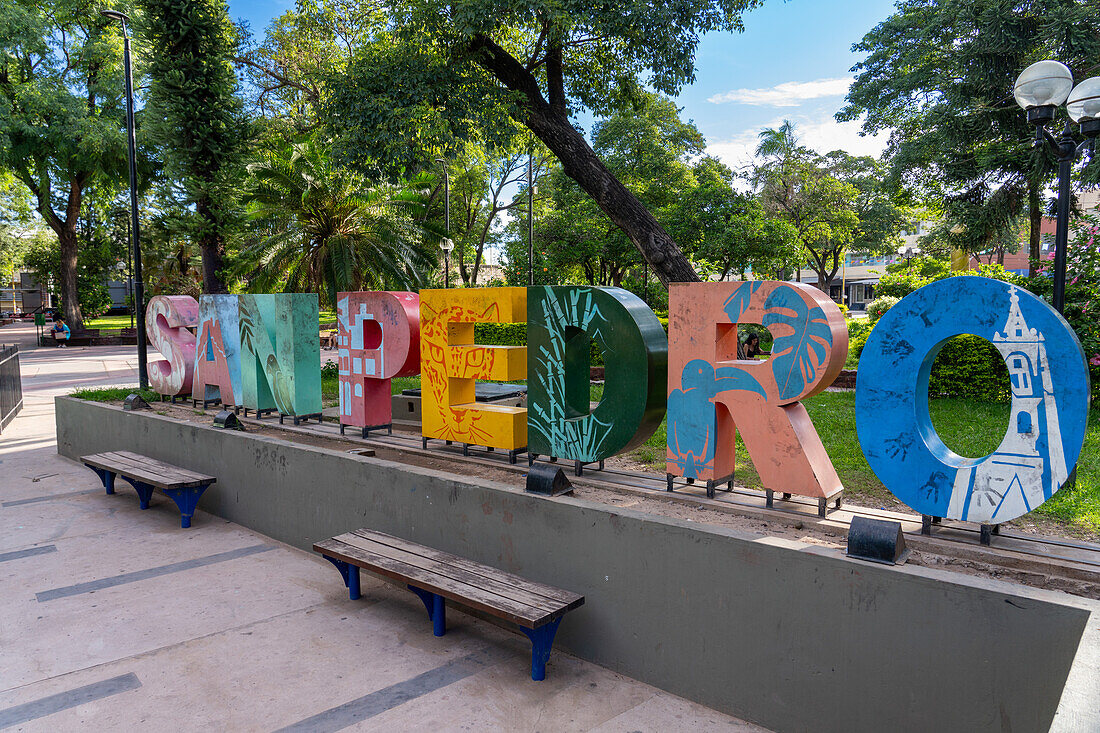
x,y
108,322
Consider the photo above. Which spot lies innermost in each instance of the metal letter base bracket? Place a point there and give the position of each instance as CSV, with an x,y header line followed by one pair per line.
x,y
300,418
711,483
388,427
466,448
837,500
186,499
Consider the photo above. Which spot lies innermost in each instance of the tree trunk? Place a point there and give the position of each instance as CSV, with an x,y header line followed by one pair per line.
x,y
1035,214
213,251
550,123
70,293
65,229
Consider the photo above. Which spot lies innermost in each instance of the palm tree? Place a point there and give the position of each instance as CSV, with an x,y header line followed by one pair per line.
x,y
325,229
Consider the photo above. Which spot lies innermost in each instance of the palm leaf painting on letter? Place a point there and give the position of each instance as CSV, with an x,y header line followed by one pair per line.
x,y
800,352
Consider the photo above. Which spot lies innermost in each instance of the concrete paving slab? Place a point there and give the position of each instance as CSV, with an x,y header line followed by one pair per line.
x,y
144,626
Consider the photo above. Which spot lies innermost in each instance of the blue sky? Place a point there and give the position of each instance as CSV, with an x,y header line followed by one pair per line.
x,y
791,62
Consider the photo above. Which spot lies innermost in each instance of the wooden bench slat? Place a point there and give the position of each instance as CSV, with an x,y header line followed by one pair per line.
x,y
555,595
152,464
148,476
127,460
435,583
154,473
516,592
127,464
133,460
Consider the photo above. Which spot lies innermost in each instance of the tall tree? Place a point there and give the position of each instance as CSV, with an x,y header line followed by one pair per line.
x,y
61,116
661,160
481,183
286,70
198,114
939,74
453,65
798,185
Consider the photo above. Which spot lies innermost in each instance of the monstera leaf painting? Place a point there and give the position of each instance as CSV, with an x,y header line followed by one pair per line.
x,y
797,355
737,303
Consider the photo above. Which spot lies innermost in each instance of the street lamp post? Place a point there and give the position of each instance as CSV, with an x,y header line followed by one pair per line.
x,y
908,251
446,244
1040,89
135,236
530,220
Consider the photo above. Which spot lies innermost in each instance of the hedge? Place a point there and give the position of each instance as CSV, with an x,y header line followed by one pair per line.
x,y
967,366
970,366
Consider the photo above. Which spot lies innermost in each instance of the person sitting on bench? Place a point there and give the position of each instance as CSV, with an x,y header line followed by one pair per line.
x,y
60,332
748,348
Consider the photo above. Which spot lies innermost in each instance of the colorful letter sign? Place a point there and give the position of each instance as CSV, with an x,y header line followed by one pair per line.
x,y
450,363
218,351
561,323
379,337
280,353
711,394
168,319
1050,397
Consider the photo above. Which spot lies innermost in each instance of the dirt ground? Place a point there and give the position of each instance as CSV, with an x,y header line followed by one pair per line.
x,y
807,532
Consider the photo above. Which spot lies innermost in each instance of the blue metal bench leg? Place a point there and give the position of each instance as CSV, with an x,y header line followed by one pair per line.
x,y
542,639
350,573
186,500
144,491
107,477
437,611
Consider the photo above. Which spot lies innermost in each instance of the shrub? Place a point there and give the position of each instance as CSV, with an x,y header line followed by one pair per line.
x,y
877,307
501,334
858,331
969,366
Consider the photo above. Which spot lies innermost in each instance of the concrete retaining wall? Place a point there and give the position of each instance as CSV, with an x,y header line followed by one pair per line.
x,y
792,637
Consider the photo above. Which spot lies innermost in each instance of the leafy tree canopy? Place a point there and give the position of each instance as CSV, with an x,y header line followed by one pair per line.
x,y
61,115
448,69
939,75
197,116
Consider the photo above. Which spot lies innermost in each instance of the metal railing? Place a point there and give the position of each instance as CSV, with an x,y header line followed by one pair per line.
x,y
11,385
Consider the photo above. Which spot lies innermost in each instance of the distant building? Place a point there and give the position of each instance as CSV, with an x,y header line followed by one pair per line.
x,y
24,295
859,273
1019,261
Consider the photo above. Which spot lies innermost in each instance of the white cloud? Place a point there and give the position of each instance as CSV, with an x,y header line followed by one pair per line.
x,y
827,135
787,94
823,134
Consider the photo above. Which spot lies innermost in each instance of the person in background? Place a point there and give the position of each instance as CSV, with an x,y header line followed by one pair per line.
x,y
61,332
748,347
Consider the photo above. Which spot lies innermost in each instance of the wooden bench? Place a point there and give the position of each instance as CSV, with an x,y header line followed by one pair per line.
x,y
145,474
435,576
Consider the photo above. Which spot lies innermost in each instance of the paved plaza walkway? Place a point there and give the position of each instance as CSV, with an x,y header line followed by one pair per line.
x,y
116,619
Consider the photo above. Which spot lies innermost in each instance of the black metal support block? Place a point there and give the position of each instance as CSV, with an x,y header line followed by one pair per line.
x,y
877,540
135,402
227,420
987,532
547,480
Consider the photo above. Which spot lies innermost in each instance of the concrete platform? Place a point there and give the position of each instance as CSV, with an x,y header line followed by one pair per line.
x,y
112,618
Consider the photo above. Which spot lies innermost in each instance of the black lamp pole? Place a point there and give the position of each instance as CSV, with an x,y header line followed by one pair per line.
x,y
1039,90
530,220
135,236
1065,150
446,222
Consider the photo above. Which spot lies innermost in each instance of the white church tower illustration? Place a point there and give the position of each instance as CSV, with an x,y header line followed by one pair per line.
x,y
1030,460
